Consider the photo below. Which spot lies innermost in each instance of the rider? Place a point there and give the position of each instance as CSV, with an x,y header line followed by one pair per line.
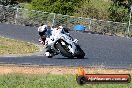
x,y
46,31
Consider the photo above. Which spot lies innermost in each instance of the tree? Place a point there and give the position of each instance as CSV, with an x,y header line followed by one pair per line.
x,y
57,6
97,9
118,13
129,2
22,0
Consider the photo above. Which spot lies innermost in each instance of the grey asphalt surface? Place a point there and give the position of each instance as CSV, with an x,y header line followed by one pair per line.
x,y
101,50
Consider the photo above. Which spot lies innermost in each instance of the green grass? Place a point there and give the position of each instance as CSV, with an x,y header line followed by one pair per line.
x,y
49,81
11,46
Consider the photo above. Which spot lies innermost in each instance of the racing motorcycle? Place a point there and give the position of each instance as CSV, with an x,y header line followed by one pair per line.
x,y
61,42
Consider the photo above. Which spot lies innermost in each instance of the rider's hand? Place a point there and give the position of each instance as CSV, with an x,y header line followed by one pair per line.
x,y
40,41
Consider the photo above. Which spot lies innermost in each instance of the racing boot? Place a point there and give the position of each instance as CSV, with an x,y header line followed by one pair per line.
x,y
50,53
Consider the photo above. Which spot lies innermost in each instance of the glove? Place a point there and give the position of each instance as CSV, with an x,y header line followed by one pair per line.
x,y
41,42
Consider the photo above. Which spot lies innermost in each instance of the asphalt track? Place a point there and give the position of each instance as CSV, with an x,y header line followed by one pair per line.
x,y
101,50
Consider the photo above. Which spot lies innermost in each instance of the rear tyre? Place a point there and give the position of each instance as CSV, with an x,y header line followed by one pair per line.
x,y
63,50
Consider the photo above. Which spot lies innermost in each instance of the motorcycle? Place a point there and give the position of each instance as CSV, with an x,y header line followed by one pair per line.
x,y
61,42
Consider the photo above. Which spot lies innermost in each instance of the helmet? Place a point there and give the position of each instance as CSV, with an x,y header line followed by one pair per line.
x,y
42,28
60,27
41,24
45,26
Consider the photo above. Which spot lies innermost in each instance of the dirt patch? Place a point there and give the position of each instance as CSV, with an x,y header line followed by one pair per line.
x,y
7,69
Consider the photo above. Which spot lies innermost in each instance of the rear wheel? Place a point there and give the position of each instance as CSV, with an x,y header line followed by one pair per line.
x,y
63,49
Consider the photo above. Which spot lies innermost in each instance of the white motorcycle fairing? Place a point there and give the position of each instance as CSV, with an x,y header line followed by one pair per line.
x,y
65,39
58,34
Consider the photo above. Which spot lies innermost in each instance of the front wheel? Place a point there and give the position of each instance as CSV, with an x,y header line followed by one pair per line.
x,y
63,49
79,53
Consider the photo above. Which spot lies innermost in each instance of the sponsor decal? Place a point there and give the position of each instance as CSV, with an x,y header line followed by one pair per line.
x,y
83,78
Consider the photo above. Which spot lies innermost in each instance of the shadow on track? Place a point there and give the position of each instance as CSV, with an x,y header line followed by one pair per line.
x,y
70,58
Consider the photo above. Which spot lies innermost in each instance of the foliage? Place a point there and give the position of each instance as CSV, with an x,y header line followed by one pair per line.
x,y
56,6
98,9
129,2
94,9
118,13
22,0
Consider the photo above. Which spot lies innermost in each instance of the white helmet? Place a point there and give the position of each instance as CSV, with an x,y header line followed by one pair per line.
x,y
60,27
42,28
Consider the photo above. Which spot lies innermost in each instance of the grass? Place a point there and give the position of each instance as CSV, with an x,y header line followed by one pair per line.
x,y
10,46
49,81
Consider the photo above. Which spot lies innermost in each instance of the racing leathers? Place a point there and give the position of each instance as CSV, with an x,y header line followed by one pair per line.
x,y
44,31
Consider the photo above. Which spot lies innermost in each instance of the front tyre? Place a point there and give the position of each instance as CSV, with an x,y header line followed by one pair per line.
x,y
63,49
79,53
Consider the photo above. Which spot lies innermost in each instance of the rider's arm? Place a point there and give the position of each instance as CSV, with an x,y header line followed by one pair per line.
x,y
42,33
